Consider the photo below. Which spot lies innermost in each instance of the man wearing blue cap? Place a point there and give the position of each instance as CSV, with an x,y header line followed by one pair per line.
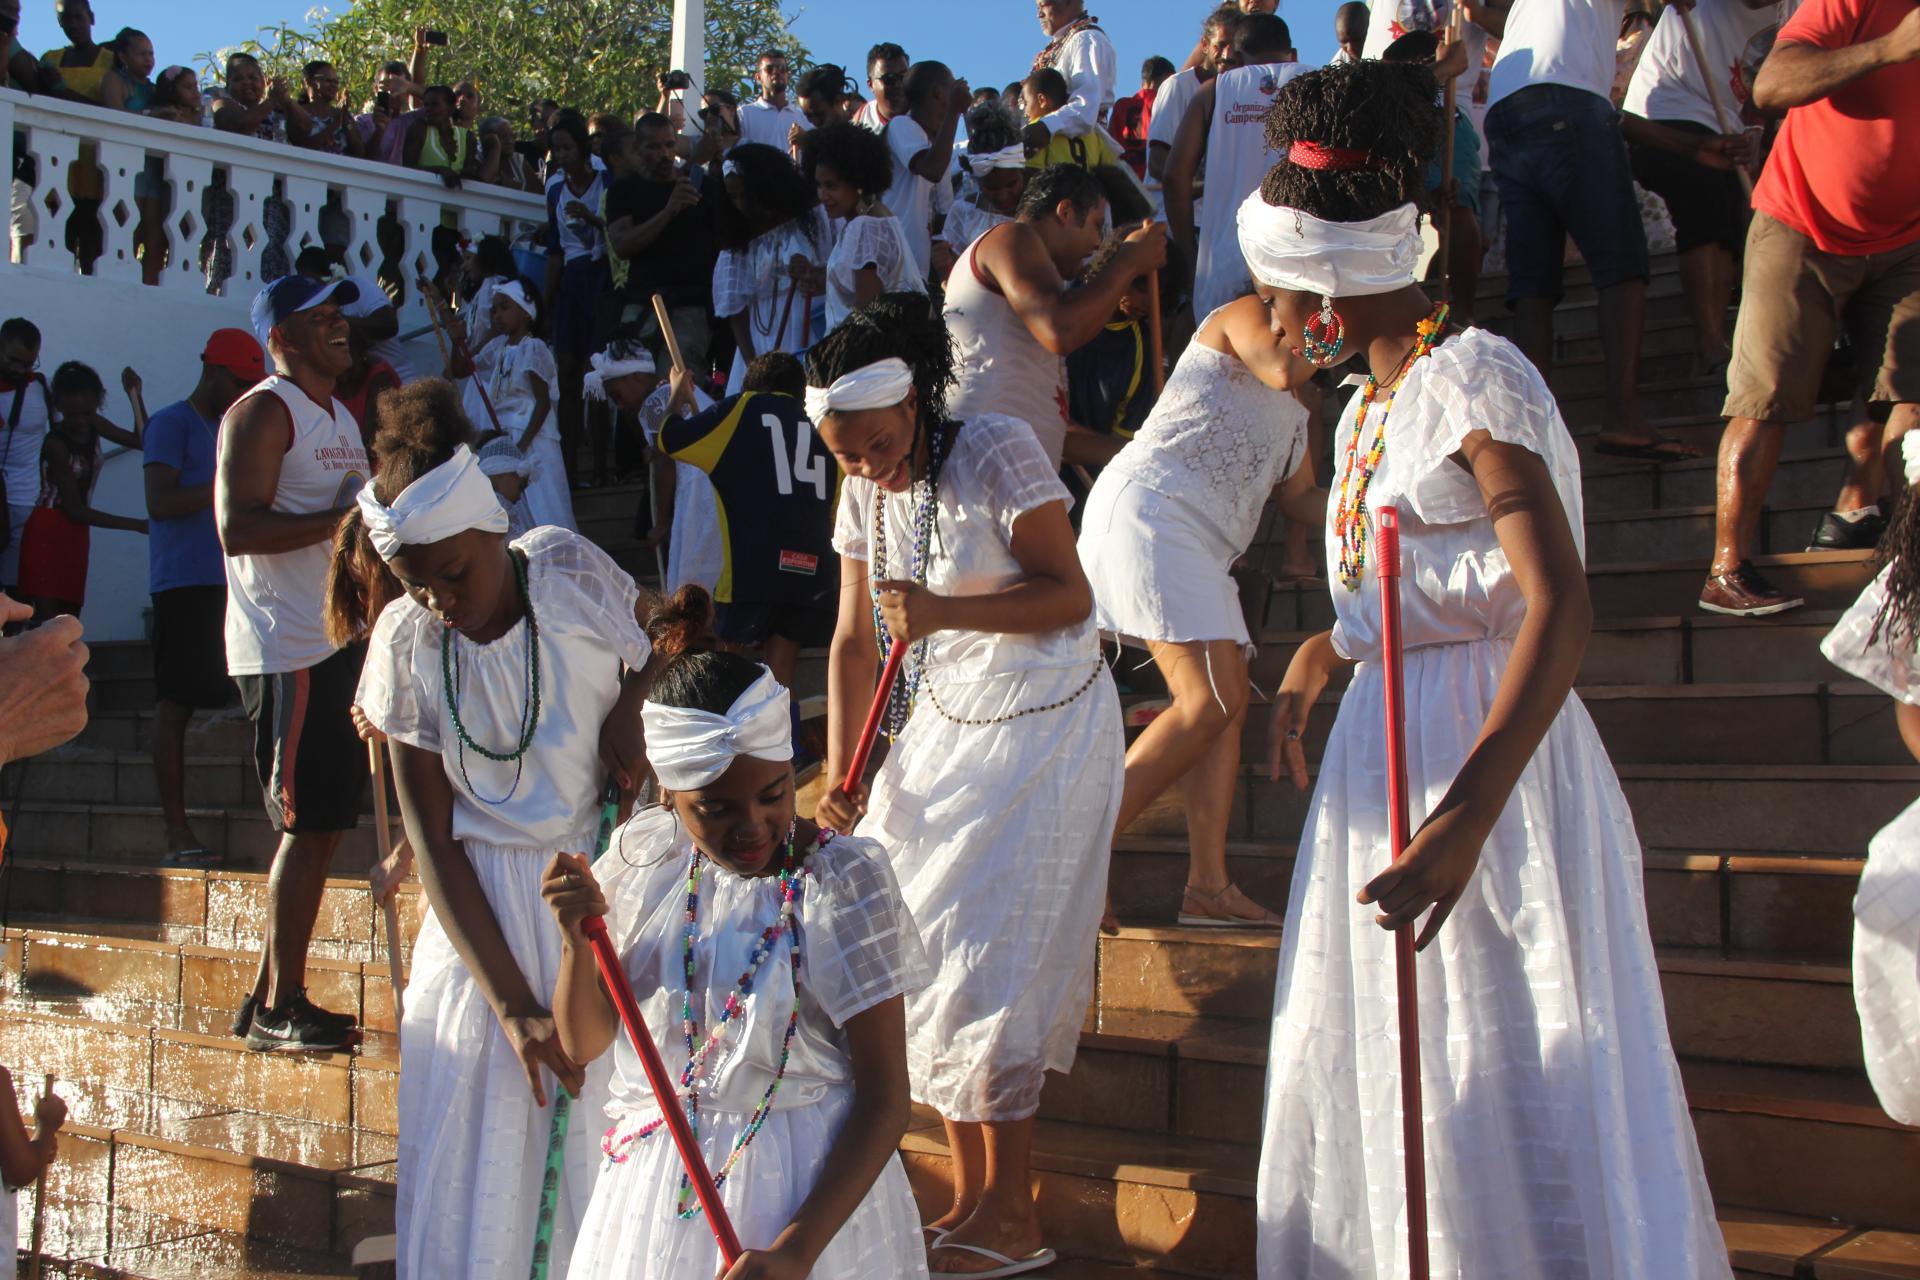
x,y
290,465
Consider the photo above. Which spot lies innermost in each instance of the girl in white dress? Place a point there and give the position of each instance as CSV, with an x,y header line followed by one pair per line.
x,y
1164,522
774,239
850,166
504,681
997,798
1878,640
516,370
783,952
996,161
1558,1142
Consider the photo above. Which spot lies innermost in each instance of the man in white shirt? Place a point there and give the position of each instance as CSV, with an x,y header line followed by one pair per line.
x,y
1562,169
771,119
921,143
372,315
887,66
1081,52
1176,95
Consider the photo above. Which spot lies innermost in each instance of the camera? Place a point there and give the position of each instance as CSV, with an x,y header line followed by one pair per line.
x,y
679,80
435,37
383,102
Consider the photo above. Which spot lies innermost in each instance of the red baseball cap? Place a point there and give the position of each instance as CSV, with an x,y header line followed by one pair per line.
x,y
238,352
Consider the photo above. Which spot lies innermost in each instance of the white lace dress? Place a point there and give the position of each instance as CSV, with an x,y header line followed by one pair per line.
x,y
1558,1139
1183,500
1000,831
473,1145
755,280
873,242
858,948
503,368
1886,910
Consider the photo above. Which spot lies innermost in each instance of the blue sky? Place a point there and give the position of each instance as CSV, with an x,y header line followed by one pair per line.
x,y
988,41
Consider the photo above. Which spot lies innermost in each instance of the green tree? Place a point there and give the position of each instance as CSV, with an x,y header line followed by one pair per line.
x,y
595,55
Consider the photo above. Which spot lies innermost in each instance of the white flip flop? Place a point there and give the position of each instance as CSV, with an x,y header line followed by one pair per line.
x,y
1008,1266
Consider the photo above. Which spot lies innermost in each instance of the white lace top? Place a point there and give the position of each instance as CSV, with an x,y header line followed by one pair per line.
x,y
1217,442
1456,585
995,473
967,223
584,605
874,242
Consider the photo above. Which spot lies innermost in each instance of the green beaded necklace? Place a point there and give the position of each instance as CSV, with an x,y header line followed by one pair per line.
x,y
530,713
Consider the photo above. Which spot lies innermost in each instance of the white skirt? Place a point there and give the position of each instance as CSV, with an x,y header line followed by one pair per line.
x,y
1000,835
1158,572
632,1230
473,1147
548,498
1558,1139
1886,964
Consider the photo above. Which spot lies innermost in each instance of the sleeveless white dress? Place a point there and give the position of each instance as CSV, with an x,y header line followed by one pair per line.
x,y
473,1145
1886,910
503,368
1183,499
1558,1139
1000,832
1002,367
869,241
858,948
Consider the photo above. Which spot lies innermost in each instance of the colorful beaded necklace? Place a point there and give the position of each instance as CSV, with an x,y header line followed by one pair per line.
x,y
1350,515
530,712
925,494
700,1049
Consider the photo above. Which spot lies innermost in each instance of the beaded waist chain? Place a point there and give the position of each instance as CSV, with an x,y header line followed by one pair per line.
x,y
933,695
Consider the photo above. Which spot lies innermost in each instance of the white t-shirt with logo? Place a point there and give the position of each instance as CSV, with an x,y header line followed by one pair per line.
x,y
275,603
911,196
1169,109
1238,160
20,455
764,123
1569,42
1735,39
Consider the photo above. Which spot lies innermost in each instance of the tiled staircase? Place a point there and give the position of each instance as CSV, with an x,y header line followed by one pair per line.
x,y
1756,775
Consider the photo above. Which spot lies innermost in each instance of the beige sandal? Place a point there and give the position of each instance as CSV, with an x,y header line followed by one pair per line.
x,y
1224,910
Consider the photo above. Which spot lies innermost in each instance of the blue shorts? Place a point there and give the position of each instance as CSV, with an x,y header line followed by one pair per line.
x,y
1563,171
1466,165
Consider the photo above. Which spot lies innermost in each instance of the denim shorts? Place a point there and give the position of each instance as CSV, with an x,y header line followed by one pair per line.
x,y
1563,171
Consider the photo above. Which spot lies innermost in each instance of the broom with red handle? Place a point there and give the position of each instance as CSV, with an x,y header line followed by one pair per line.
x,y
863,751
1398,834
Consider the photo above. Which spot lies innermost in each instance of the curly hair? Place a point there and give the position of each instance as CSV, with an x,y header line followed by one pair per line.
x,y
774,185
854,152
990,128
1046,188
904,326
778,373
699,673
1389,110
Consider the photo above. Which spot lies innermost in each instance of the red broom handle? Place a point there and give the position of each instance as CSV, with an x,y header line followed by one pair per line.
x,y
595,927
857,767
1398,834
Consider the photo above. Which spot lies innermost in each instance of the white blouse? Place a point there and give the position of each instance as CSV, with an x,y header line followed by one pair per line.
x,y
869,241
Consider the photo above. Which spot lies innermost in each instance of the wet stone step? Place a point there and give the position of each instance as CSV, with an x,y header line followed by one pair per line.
x,y
1806,478
137,834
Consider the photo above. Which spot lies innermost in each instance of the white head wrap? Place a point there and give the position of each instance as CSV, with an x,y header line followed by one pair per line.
x,y
452,498
607,367
1013,157
516,293
1910,453
878,386
1292,249
689,748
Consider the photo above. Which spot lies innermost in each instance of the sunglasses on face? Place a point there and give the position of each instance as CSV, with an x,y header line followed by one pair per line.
x,y
894,79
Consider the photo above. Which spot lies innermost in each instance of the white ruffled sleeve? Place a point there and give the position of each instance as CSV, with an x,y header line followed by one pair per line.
x,y
568,573
858,939
853,518
643,875
1894,671
399,694
868,242
1011,468
539,361
733,284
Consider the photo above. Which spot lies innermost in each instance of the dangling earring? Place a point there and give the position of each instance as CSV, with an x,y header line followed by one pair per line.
x,y
1324,335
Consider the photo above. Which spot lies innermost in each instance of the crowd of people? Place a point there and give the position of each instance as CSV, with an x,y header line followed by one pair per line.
x,y
893,362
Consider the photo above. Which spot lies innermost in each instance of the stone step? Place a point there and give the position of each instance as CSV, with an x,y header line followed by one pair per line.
x,y
1808,477
222,733
614,502
137,833
1664,337
1582,373
1670,533
1578,315
200,1254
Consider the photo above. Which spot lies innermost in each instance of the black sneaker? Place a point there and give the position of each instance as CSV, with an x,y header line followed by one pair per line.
x,y
1835,534
298,1028
307,1008
243,1021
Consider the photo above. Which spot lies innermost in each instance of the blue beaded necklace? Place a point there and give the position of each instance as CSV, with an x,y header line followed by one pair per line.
x,y
926,513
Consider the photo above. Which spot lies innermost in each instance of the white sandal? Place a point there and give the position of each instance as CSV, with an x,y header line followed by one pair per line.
x,y
1193,920
1008,1266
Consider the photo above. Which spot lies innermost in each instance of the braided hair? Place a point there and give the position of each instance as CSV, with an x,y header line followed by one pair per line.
x,y
1387,110
1898,621
903,326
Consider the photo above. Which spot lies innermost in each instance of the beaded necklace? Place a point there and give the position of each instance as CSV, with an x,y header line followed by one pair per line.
x,y
1350,515
530,712
906,689
701,1049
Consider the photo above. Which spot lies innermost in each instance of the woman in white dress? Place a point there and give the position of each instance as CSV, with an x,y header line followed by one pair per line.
x,y
516,371
1164,523
851,167
1558,1141
505,681
996,161
997,799
720,899
774,239
1878,640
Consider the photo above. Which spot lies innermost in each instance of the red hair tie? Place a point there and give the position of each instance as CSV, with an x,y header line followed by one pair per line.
x,y
1316,155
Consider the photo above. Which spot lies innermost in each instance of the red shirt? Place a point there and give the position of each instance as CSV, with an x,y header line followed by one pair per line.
x,y
1843,170
1128,122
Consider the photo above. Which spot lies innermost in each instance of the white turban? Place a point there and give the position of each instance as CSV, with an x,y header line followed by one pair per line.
x,y
1910,453
878,386
516,293
1291,249
452,498
607,367
690,749
1014,157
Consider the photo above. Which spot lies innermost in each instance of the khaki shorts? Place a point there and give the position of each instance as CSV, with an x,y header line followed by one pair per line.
x,y
1794,296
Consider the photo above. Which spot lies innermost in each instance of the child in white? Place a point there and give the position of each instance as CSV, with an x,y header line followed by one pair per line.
x,y
723,900
851,168
538,637
517,372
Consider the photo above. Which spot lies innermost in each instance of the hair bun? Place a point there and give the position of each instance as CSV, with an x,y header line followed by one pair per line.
x,y
682,623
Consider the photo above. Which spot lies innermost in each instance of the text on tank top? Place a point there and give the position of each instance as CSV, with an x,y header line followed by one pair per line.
x,y
1002,366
